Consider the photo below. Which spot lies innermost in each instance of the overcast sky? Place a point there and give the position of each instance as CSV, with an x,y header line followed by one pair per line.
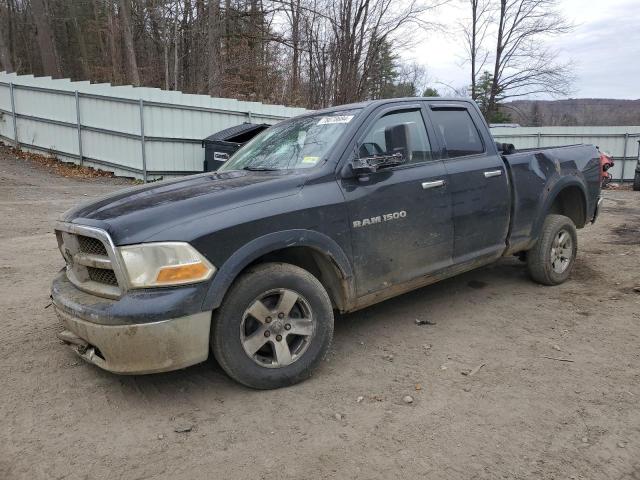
x,y
605,47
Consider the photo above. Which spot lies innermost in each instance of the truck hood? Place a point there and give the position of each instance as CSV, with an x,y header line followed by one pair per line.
x,y
134,214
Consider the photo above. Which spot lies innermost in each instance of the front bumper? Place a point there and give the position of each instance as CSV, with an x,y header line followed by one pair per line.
x,y
142,348
97,330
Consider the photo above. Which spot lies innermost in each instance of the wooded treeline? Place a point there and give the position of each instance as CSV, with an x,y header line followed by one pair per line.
x,y
573,112
311,53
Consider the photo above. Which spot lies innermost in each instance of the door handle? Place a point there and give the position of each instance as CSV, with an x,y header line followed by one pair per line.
x,y
492,173
434,184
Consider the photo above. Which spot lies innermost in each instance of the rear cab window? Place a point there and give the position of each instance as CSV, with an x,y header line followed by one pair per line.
x,y
458,131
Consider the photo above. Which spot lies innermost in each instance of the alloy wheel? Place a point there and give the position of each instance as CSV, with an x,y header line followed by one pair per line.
x,y
561,251
277,328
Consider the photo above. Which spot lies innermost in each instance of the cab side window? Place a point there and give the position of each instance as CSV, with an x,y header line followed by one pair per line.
x,y
398,132
458,131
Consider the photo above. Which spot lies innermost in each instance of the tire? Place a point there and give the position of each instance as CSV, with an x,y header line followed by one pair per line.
x,y
636,182
297,340
548,264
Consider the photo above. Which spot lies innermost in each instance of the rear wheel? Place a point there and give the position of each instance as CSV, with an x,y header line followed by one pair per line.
x,y
551,259
274,326
636,182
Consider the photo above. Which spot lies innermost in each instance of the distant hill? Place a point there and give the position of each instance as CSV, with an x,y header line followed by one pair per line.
x,y
574,112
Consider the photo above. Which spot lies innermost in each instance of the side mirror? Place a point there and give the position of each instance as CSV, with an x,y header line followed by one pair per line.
x,y
373,163
506,148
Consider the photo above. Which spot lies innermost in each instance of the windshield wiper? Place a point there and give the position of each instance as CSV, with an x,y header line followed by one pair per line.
x,y
259,168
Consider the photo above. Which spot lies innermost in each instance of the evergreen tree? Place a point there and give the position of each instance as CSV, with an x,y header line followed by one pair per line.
x,y
483,99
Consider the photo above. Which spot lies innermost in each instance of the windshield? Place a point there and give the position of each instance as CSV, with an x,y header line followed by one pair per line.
x,y
299,143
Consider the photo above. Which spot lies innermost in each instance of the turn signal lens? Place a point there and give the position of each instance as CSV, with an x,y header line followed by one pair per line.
x,y
182,273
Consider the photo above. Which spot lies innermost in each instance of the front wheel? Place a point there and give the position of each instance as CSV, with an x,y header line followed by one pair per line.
x,y
274,326
551,259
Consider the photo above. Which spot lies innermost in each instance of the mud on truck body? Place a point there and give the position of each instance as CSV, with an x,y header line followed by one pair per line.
x,y
331,211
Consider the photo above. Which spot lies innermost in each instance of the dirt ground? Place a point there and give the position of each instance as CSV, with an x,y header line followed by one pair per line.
x,y
522,415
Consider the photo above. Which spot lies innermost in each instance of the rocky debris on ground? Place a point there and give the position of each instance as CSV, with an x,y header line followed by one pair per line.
x,y
359,399
407,399
424,322
183,428
473,371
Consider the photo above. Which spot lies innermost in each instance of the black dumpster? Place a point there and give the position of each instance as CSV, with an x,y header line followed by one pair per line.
x,y
221,145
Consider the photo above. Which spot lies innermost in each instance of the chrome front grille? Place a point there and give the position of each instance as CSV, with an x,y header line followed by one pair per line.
x,y
91,262
92,246
101,275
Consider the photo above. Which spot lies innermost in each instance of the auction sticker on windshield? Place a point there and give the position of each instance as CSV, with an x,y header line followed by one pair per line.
x,y
335,119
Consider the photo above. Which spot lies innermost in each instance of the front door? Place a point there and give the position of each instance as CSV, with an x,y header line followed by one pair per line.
x,y
401,223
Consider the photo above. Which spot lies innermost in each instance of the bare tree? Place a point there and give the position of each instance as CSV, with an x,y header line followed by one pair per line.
x,y
80,39
360,30
318,51
294,13
214,49
114,50
475,33
46,40
523,65
5,56
176,49
125,16
7,36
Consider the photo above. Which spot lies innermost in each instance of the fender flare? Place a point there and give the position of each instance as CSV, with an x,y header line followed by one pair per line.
x,y
272,242
550,198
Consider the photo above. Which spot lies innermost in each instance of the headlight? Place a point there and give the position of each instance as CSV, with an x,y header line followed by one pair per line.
x,y
166,263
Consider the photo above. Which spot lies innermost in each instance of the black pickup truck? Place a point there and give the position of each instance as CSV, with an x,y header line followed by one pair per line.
x,y
334,210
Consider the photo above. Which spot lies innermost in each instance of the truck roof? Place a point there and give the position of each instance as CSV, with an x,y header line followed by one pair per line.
x,y
375,103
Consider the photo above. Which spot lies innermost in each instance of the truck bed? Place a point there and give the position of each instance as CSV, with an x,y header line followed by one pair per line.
x,y
547,169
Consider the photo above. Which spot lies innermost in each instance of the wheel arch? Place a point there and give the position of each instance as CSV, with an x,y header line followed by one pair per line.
x,y
313,251
567,197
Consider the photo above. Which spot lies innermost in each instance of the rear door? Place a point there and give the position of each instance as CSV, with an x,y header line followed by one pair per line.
x,y
401,224
478,181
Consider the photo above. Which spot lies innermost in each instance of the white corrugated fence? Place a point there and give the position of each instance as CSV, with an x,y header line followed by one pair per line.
x,y
620,142
133,131
149,133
